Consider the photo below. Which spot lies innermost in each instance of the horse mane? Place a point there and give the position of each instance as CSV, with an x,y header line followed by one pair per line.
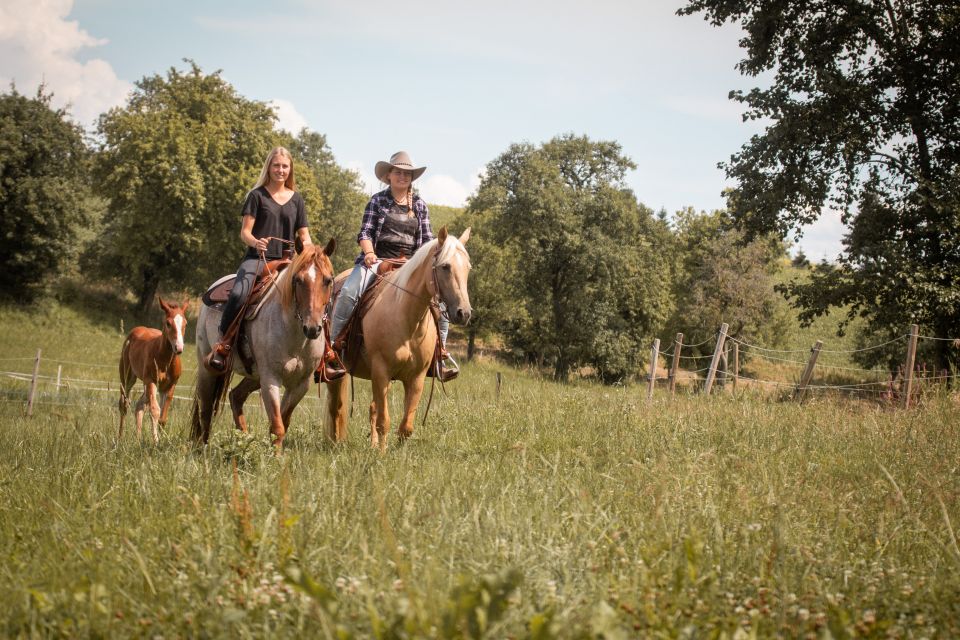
x,y
424,253
311,254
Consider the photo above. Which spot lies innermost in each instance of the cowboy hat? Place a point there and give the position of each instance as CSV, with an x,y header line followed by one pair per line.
x,y
399,160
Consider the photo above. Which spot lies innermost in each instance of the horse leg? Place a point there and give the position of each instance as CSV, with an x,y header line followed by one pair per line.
x,y
337,409
378,408
166,399
291,398
138,410
238,396
411,398
203,400
127,380
270,394
151,393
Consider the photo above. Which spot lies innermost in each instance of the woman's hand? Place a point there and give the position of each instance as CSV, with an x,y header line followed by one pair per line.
x,y
369,259
261,245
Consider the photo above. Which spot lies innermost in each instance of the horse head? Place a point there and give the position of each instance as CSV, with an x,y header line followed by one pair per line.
x,y
451,269
309,287
174,323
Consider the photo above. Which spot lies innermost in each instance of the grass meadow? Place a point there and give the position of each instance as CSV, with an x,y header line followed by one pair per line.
x,y
544,511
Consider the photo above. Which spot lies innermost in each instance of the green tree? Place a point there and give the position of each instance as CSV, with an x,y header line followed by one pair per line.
x,y
585,280
865,108
176,163
45,197
724,277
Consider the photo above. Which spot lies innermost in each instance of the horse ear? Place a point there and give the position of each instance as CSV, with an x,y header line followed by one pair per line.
x,y
163,305
184,305
442,236
298,244
465,236
331,247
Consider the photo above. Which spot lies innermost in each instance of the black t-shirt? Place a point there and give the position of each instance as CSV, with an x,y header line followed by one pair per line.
x,y
272,219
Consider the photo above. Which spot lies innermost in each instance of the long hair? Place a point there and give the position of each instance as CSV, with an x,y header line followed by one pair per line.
x,y
264,178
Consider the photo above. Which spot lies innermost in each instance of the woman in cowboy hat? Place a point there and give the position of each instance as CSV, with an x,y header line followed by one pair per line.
x,y
395,224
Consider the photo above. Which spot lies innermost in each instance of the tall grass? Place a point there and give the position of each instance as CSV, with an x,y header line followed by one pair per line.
x,y
547,511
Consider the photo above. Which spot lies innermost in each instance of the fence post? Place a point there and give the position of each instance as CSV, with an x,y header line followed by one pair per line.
x,y
808,372
736,364
59,371
498,387
654,356
33,384
911,358
677,345
711,374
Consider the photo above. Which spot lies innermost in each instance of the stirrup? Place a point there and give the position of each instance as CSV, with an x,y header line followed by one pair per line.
x,y
217,360
331,369
449,369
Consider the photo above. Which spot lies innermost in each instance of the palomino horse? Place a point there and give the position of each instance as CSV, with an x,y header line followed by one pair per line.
x,y
399,334
285,341
154,357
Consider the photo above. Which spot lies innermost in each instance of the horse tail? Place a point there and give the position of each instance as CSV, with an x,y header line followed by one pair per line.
x,y
207,399
125,370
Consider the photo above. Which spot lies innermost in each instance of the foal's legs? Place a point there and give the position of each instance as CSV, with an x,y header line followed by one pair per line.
x,y
239,395
150,393
127,379
411,398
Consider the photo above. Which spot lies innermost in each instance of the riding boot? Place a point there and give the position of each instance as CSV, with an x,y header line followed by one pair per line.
x,y
333,368
449,369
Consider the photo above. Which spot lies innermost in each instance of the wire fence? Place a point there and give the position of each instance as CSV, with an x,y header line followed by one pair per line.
x,y
97,383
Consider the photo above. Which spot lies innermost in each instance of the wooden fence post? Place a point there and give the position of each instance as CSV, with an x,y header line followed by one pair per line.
x,y
677,345
59,372
498,387
33,384
808,372
911,358
711,374
736,365
654,356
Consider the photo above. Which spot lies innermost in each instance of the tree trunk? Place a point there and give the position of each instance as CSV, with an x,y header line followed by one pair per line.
x,y
471,344
148,291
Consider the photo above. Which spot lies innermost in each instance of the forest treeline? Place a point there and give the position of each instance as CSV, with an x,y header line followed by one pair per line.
x,y
571,270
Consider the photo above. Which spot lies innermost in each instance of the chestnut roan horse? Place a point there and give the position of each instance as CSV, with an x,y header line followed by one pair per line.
x,y
284,338
154,357
399,334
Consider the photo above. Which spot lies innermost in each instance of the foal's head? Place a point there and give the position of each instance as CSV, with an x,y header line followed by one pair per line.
x,y
174,323
452,267
309,286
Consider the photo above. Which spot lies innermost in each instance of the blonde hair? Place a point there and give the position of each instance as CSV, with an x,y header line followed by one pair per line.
x,y
291,182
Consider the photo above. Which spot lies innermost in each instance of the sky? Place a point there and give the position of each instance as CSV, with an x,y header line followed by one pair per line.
x,y
453,83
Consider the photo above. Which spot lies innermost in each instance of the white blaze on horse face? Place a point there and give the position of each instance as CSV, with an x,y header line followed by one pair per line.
x,y
179,322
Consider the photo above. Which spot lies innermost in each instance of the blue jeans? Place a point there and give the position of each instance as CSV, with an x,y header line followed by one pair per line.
x,y
246,277
356,283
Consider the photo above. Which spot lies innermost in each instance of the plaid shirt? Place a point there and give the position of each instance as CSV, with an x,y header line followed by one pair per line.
x,y
376,213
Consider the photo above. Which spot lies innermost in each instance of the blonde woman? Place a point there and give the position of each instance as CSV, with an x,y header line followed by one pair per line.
x,y
273,209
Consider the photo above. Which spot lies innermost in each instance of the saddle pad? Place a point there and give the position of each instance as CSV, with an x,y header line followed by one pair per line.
x,y
219,291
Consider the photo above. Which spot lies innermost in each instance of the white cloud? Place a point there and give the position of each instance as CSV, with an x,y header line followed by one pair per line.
x,y
443,189
39,45
288,117
822,240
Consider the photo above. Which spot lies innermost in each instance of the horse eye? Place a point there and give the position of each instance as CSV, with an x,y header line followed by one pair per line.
x,y
446,267
327,281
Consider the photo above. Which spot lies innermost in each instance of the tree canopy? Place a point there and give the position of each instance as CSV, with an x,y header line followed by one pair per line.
x,y
44,192
573,255
864,105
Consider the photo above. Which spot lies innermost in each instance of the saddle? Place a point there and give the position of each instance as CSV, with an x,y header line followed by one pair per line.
x,y
349,342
